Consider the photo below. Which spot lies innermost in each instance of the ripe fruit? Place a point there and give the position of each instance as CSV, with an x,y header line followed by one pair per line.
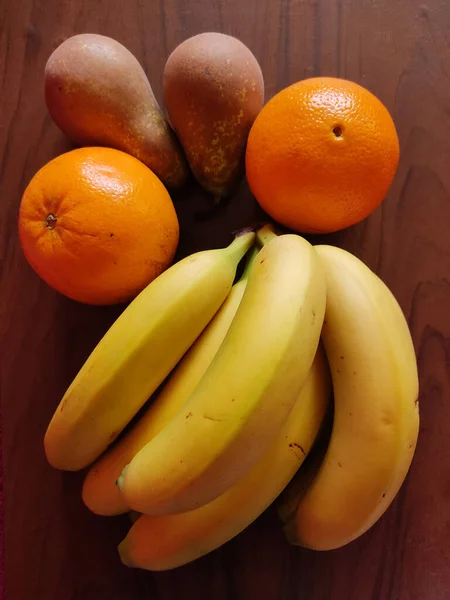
x,y
213,90
138,352
246,394
97,225
321,155
168,541
98,94
376,417
100,492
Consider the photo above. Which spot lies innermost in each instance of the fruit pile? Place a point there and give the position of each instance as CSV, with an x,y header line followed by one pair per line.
x,y
247,395
98,224
294,380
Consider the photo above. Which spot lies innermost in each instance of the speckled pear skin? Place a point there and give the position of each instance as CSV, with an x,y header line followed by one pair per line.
x,y
98,94
213,91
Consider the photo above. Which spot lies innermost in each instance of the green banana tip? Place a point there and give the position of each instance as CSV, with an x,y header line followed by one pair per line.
x,y
238,232
250,258
242,242
265,234
251,228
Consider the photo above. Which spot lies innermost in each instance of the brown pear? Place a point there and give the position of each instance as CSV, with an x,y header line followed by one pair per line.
x,y
213,91
98,94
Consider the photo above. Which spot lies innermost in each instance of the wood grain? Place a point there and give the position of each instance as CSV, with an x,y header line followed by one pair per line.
x,y
55,549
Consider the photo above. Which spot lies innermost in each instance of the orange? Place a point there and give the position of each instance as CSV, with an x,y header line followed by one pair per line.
x,y
321,155
97,225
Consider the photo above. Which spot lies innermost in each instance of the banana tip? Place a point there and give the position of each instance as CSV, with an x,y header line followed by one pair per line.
x,y
244,230
265,233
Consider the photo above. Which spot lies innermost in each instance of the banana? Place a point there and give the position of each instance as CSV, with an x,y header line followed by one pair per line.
x,y
246,393
100,492
168,541
376,418
290,497
138,352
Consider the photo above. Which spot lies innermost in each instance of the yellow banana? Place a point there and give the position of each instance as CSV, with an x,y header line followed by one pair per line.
x,y
297,488
100,492
138,352
167,541
246,393
376,418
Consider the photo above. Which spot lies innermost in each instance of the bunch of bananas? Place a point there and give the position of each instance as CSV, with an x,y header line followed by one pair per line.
x,y
253,372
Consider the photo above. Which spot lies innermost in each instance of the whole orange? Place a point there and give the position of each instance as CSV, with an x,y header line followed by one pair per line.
x,y
321,155
97,225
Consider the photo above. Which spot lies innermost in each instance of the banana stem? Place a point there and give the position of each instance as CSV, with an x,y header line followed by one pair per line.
x,y
241,243
266,234
249,262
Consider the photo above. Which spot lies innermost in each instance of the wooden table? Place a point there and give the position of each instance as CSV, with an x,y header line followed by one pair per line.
x,y
57,550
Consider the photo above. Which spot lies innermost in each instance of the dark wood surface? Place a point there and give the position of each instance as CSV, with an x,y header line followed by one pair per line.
x,y
55,549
